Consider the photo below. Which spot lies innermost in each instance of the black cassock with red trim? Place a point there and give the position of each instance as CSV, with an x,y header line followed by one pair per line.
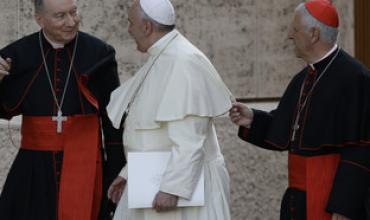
x,y
334,123
32,188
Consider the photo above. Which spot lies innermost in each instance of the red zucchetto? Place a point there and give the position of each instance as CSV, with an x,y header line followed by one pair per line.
x,y
324,11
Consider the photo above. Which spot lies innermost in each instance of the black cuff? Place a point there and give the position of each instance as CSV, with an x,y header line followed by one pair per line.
x,y
115,160
243,133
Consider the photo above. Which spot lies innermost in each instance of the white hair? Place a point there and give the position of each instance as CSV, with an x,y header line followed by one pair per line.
x,y
327,33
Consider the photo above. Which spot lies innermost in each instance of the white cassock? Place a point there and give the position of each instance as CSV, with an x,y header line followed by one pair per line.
x,y
174,111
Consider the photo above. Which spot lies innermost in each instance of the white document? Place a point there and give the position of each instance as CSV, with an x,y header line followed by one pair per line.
x,y
145,171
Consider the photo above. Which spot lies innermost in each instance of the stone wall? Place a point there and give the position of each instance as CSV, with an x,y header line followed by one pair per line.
x,y
247,42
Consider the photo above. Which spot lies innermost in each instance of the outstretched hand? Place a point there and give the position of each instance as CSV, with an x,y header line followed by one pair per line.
x,y
241,115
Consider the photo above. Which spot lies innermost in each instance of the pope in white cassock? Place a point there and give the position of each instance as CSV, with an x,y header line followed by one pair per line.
x,y
171,103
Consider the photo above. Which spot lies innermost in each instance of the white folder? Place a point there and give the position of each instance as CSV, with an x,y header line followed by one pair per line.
x,y
145,171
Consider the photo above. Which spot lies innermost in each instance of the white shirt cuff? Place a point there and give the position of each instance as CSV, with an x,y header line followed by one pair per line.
x,y
124,172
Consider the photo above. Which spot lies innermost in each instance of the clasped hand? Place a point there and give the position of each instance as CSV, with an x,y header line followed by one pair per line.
x,y
164,202
161,203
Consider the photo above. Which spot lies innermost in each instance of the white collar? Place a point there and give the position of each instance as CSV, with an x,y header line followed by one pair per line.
x,y
159,44
53,44
325,56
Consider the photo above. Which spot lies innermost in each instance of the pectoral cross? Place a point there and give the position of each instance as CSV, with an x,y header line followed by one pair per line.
x,y
59,119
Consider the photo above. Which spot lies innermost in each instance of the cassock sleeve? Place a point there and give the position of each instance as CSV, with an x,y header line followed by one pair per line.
x,y
243,133
256,134
103,79
10,86
351,183
185,164
115,158
6,97
3,112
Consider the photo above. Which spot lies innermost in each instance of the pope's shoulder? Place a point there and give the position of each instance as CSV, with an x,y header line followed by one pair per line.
x,y
184,49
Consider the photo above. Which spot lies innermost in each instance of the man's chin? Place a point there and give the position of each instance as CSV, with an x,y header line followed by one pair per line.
x,y
140,49
69,36
297,54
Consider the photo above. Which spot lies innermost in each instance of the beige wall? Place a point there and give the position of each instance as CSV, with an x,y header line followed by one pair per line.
x,y
245,39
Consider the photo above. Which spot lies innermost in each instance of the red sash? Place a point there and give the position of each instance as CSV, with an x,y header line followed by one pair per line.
x,y
315,176
81,178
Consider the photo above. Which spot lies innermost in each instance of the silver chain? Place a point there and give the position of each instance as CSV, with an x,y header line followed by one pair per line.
x,y
59,105
301,107
146,74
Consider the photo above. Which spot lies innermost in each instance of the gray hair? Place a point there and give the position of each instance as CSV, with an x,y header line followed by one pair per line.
x,y
39,5
327,33
157,26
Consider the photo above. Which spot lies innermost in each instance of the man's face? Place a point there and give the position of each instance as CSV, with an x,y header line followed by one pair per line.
x,y
59,20
136,27
300,36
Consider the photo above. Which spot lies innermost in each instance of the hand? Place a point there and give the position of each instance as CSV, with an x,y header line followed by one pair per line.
x,y
5,66
116,189
164,202
241,115
339,217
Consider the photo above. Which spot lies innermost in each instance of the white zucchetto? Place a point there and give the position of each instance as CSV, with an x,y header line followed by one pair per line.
x,y
161,11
